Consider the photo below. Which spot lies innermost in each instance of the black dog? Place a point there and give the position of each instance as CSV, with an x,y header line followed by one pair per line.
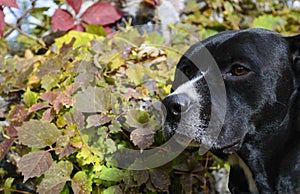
x,y
260,137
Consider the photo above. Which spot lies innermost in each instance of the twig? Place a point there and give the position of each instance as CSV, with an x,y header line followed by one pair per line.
x,y
39,40
20,18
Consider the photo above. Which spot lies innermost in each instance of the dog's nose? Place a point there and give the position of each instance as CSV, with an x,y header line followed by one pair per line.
x,y
176,104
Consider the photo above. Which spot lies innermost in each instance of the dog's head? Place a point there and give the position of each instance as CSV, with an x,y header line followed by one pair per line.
x,y
257,68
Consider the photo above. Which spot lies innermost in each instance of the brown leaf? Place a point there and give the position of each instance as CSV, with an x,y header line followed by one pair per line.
x,y
5,146
101,13
142,138
38,106
35,164
9,3
75,4
62,20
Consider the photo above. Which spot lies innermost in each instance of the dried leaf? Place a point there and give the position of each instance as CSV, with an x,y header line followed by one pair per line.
x,y
35,164
38,134
9,3
62,20
75,4
142,137
101,13
5,146
56,178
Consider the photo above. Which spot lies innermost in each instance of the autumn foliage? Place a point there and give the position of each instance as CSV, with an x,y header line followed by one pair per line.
x,y
72,96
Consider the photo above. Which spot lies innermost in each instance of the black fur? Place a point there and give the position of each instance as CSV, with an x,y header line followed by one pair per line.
x,y
262,117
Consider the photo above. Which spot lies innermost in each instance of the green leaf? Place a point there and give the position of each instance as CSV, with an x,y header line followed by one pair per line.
x,y
111,174
35,164
136,74
48,82
95,29
30,97
82,39
8,184
38,134
113,190
93,99
56,178
81,183
266,21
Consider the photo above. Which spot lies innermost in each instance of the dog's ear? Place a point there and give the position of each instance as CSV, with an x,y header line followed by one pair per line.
x,y
294,46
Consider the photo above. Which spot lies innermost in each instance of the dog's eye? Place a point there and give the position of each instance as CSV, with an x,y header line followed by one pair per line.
x,y
187,71
238,70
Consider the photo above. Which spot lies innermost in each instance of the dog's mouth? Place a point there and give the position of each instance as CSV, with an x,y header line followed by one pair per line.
x,y
232,148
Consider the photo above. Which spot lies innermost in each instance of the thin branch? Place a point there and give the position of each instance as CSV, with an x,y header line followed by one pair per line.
x,y
39,40
20,18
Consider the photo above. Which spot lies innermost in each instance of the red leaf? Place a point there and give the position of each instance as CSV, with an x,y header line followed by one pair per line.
x,y
5,146
9,3
62,20
75,4
79,28
101,13
2,22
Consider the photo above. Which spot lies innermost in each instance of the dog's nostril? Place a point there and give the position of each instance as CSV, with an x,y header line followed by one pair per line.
x,y
177,104
180,107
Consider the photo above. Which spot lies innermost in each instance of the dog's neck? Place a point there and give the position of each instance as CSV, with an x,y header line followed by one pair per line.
x,y
257,166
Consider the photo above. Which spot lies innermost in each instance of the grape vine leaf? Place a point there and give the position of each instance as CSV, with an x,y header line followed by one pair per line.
x,y
160,178
38,134
62,20
5,146
93,100
38,106
101,13
9,3
75,4
111,174
81,183
35,164
56,178
142,137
